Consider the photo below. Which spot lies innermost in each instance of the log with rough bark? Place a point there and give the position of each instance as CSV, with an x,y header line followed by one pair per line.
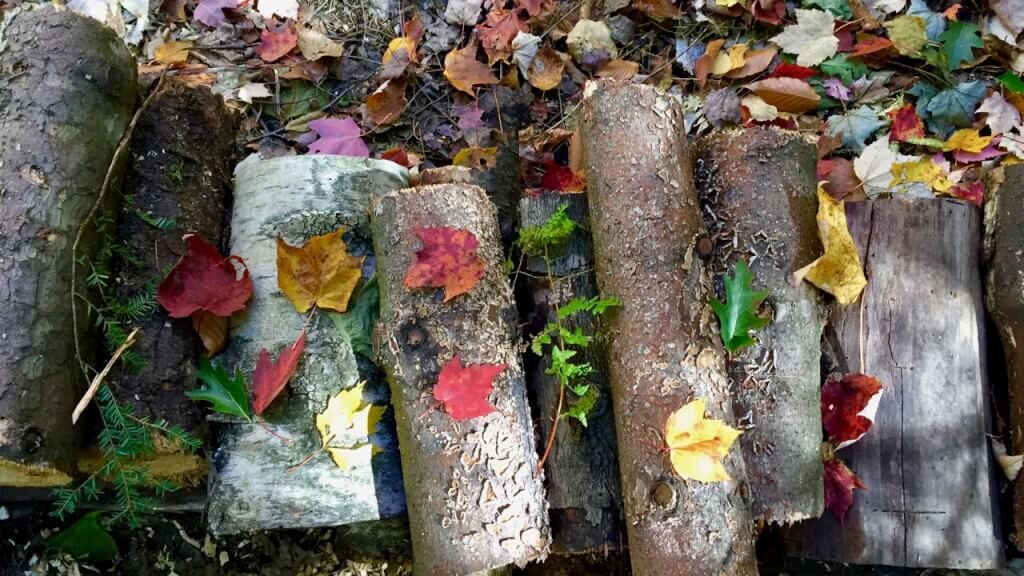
x,y
930,492
582,470
1004,298
178,181
67,92
475,501
758,192
251,486
662,351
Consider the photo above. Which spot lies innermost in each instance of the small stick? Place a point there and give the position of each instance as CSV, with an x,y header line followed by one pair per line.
x,y
95,384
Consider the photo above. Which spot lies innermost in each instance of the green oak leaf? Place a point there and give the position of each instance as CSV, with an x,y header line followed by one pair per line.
x,y
225,395
738,315
356,325
86,540
959,42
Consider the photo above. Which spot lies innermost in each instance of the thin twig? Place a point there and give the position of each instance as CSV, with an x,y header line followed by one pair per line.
x,y
114,161
94,386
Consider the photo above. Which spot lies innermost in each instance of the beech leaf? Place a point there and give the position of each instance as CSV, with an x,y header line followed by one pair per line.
x,y
698,445
448,258
848,406
790,95
840,482
320,273
204,280
463,390
270,378
838,270
738,315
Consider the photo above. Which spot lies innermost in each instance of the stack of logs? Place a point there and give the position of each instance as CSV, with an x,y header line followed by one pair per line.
x,y
662,223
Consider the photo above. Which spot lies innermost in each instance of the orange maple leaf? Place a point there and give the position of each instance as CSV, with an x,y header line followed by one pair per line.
x,y
449,259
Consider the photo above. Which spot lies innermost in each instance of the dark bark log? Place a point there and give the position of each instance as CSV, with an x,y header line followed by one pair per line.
x,y
1004,297
758,191
67,92
930,496
179,169
475,502
250,487
662,350
582,470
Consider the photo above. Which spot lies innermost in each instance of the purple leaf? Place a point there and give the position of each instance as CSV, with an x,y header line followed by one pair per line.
x,y
988,153
834,87
338,136
211,12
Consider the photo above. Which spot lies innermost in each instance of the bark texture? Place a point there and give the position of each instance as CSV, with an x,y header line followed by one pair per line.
x,y
758,192
582,470
296,198
475,502
930,497
179,170
1004,297
67,92
662,351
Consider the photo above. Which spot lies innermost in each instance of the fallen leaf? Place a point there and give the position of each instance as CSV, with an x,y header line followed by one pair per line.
x,y
842,182
835,88
922,170
840,482
464,390
838,271
319,273
356,325
737,316
211,12
906,124
388,102
546,69
870,45
498,31
204,280
173,52
848,406
973,192
1010,465
959,42
590,44
283,8
731,59
966,140
908,34
524,50
400,54
756,61
464,71
758,109
561,178
787,70
315,45
398,156
1010,13
465,12
346,424
874,167
1002,116
225,394
270,378
855,126
476,157
812,38
658,9
253,90
787,94
448,258
704,63
722,107
338,136
698,445
621,70
276,41
212,330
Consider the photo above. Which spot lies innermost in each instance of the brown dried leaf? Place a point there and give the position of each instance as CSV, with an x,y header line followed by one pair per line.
x,y
787,94
464,71
546,69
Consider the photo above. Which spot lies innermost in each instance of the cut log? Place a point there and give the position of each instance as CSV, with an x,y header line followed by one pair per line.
x,y
475,502
662,351
178,181
930,493
1004,297
582,469
67,91
251,488
758,192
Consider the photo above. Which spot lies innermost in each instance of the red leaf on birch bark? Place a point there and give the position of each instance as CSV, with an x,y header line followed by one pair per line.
x,y
276,41
270,378
204,280
847,410
463,390
906,124
840,482
448,258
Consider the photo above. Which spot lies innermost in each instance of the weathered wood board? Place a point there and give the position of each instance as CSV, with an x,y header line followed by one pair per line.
x,y
930,496
250,487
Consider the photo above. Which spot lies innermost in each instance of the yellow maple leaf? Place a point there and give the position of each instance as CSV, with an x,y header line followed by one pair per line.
x,y
838,271
921,170
697,445
347,415
966,140
319,273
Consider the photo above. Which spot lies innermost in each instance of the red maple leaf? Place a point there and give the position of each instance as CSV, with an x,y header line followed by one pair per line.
x,y
449,259
498,31
204,280
561,178
269,378
464,390
276,41
975,192
845,409
840,482
906,124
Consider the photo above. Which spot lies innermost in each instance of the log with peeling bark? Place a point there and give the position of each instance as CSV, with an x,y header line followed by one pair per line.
x,y
67,93
582,470
1004,298
475,502
251,486
662,351
758,192
930,498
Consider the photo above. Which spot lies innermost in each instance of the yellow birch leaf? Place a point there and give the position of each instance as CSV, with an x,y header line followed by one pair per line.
x,y
967,140
921,170
319,273
347,415
696,445
733,58
838,271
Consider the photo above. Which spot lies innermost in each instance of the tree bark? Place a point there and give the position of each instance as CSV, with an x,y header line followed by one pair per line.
x,y
758,191
250,488
179,169
67,92
475,502
582,470
1004,297
930,496
662,351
